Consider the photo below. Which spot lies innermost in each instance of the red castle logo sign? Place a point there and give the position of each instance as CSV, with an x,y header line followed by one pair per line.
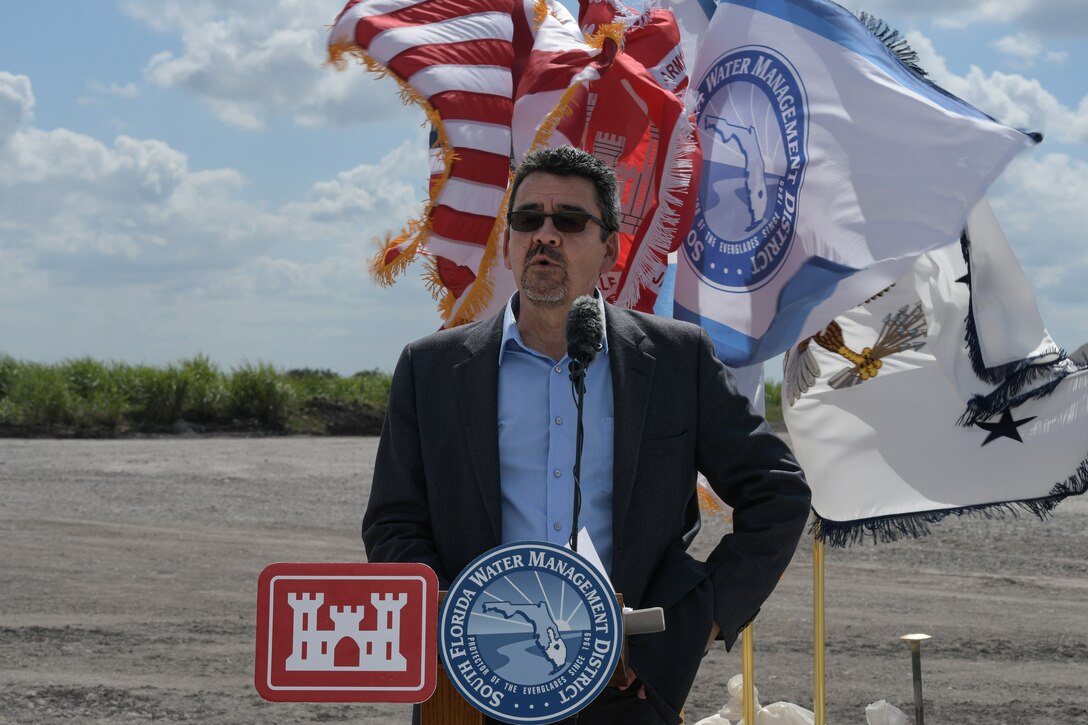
x,y
346,633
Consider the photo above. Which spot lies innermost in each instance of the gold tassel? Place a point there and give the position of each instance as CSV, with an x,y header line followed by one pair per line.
x,y
385,274
554,118
415,232
710,506
479,296
707,502
434,284
607,31
540,12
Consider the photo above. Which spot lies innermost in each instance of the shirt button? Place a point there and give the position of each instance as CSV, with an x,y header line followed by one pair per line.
x,y
558,420
557,526
557,473
558,368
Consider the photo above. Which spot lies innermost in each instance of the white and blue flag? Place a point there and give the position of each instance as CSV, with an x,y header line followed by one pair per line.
x,y
944,395
828,166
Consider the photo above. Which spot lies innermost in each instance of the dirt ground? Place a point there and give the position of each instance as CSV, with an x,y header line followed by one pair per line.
x,y
128,575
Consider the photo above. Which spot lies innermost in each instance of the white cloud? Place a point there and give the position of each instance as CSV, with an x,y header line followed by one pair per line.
x,y
1025,48
1040,199
128,90
1010,98
1040,202
123,251
1021,46
16,104
251,61
1044,191
369,192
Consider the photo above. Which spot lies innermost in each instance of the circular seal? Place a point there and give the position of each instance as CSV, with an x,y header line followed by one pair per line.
x,y
753,125
530,633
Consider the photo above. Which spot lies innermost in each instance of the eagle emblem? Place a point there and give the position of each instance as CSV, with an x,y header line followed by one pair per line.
x,y
903,330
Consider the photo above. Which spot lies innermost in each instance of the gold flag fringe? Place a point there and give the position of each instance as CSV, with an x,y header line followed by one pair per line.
x,y
709,503
626,17
540,12
551,122
413,237
607,31
456,311
675,186
475,299
563,109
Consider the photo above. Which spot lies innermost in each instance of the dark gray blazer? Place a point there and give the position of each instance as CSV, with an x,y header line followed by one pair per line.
x,y
436,500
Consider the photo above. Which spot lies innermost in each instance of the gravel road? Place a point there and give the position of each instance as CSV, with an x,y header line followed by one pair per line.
x,y
129,569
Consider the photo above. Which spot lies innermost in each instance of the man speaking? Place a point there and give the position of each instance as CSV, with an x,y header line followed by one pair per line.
x,y
479,443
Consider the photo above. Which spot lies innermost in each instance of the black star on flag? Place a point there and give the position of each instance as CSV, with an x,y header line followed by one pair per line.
x,y
1004,428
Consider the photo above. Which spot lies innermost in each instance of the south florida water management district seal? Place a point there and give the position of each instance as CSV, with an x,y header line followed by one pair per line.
x,y
530,633
752,114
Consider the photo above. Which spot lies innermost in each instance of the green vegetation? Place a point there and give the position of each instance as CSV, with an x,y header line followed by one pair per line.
x,y
85,393
772,396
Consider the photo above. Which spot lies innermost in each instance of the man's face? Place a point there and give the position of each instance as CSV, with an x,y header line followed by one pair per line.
x,y
552,268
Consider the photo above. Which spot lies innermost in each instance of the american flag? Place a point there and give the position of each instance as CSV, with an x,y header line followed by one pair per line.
x,y
498,78
462,61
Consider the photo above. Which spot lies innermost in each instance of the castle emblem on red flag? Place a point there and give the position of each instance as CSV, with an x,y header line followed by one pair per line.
x,y
346,632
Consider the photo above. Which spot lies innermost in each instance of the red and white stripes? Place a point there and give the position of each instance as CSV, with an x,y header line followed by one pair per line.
x,y
497,78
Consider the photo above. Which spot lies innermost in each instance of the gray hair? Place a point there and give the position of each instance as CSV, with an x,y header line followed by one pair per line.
x,y
570,161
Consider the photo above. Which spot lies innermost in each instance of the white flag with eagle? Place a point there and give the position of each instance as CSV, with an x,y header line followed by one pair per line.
x,y
942,394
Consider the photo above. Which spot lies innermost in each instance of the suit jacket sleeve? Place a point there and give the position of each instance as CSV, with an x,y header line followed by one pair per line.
x,y
755,472
397,522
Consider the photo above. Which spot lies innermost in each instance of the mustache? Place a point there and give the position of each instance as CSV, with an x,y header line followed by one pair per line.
x,y
547,251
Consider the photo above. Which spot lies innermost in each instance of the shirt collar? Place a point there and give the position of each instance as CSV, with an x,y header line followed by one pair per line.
x,y
510,330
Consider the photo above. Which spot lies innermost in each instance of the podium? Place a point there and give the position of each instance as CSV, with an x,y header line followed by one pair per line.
x,y
447,707
311,645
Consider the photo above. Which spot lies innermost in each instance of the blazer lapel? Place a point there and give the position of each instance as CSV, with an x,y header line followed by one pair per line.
x,y
477,380
632,361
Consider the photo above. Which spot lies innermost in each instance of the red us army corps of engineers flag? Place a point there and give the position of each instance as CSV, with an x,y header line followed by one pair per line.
x,y
943,394
827,164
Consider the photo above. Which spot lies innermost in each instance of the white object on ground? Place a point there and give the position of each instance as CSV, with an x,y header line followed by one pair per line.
x,y
883,712
777,713
880,712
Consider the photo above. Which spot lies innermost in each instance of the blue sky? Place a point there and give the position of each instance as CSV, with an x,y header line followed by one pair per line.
x,y
184,176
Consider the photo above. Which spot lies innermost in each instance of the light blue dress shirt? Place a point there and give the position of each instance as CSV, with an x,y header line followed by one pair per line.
x,y
538,425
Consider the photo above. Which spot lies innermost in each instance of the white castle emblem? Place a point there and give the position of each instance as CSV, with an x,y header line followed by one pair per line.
x,y
376,649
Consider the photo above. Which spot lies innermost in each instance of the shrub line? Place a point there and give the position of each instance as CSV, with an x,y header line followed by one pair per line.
x,y
84,397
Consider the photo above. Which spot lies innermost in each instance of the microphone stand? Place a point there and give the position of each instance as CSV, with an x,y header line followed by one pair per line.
x,y
578,390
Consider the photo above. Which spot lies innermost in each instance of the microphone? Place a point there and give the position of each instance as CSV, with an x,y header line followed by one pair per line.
x,y
585,328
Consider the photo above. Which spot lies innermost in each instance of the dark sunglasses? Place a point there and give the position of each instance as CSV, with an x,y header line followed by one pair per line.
x,y
567,222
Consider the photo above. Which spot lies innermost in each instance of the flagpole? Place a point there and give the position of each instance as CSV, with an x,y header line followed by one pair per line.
x,y
747,668
819,682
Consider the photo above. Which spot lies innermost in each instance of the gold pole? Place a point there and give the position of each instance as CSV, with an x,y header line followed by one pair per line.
x,y
818,634
747,668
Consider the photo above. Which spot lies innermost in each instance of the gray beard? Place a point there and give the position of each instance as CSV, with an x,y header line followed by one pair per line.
x,y
552,297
